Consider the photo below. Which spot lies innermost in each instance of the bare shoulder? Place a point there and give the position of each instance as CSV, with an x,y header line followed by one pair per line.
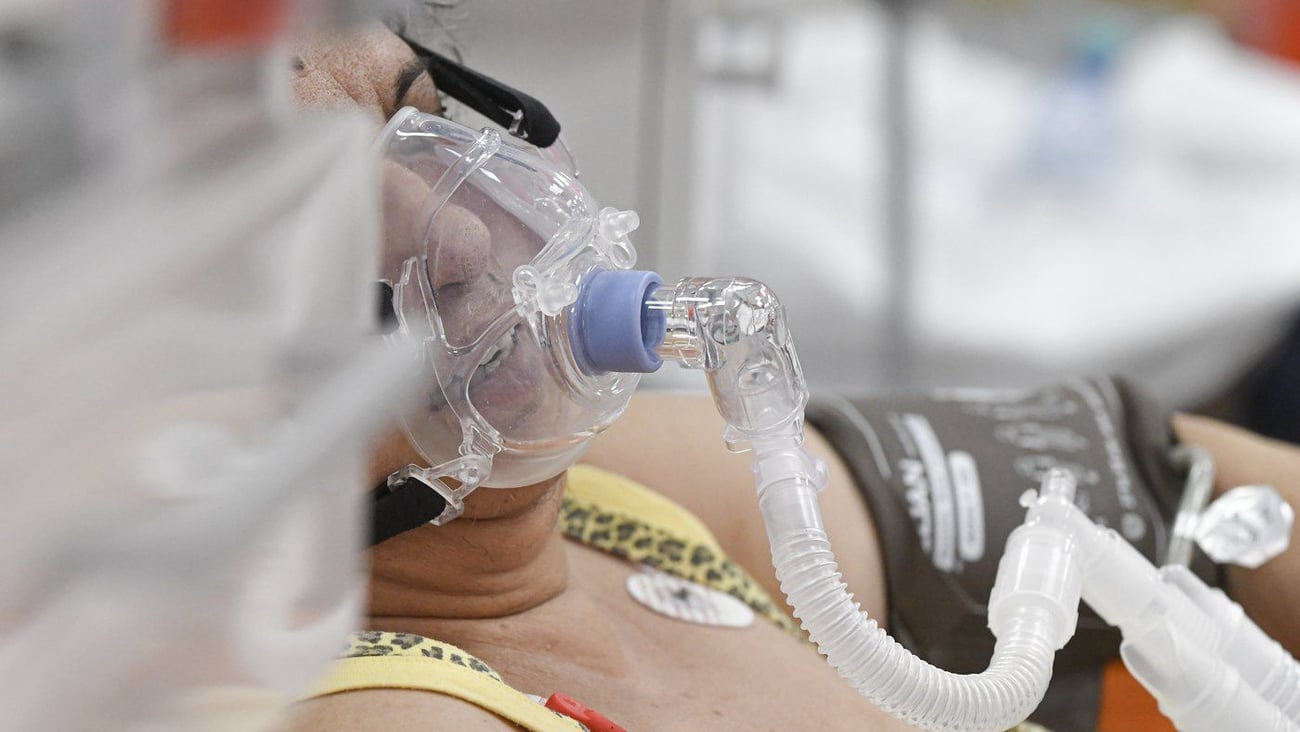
x,y
1241,457
672,443
392,710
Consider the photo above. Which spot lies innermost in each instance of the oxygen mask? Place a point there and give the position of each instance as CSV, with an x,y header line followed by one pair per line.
x,y
487,247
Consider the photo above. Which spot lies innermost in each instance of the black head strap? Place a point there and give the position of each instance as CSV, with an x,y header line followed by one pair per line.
x,y
403,506
524,116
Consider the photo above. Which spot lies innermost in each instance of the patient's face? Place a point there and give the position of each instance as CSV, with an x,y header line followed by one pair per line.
x,y
471,254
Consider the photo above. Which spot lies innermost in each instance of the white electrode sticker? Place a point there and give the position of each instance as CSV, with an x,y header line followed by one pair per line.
x,y
688,601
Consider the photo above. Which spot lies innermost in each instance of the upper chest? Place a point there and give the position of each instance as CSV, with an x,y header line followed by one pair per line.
x,y
647,671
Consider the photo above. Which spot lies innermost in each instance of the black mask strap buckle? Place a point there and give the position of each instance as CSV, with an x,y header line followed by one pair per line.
x,y
520,114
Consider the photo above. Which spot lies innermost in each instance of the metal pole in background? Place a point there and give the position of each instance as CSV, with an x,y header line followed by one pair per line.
x,y
897,138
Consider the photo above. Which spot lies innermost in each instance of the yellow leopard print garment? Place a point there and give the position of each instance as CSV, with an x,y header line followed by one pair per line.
x,y
654,537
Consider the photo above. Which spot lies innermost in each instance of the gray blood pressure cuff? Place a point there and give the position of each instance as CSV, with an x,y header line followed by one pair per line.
x,y
942,475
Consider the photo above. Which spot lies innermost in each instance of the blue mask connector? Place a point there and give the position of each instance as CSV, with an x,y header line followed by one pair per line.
x,y
612,328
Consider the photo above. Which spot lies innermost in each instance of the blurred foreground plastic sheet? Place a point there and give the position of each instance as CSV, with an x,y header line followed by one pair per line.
x,y
188,387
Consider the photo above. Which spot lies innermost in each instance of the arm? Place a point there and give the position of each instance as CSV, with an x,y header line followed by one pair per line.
x,y
1270,594
672,443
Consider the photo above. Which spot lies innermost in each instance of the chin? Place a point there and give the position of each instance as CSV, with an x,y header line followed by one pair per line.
x,y
512,469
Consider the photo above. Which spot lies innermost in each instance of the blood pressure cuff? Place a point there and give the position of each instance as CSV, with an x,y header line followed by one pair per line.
x,y
942,476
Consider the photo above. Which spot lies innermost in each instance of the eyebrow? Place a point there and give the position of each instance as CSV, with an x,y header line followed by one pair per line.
x,y
406,78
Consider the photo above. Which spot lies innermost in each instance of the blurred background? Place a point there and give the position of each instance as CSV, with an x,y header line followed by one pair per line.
x,y
953,192
944,193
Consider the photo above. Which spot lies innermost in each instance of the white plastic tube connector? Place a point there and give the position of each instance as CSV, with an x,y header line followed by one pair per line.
x,y
1262,661
735,331
1206,663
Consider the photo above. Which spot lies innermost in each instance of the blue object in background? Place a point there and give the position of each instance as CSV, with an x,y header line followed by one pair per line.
x,y
1075,140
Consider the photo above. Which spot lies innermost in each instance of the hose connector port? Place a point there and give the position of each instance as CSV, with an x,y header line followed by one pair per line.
x,y
735,330
1040,569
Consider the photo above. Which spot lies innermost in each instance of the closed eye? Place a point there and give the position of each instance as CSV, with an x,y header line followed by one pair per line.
x,y
405,79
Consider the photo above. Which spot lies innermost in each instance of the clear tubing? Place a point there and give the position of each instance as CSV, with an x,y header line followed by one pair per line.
x,y
1198,691
1262,661
1192,647
735,331
681,336
1200,482
878,666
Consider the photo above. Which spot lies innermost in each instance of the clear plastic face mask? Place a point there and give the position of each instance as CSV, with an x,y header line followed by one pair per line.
x,y
558,154
485,247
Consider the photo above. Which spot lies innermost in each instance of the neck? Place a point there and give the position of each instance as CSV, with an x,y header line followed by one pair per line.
x,y
503,556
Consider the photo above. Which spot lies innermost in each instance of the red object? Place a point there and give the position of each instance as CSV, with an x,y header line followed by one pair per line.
x,y
1273,26
223,23
574,709
1126,705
